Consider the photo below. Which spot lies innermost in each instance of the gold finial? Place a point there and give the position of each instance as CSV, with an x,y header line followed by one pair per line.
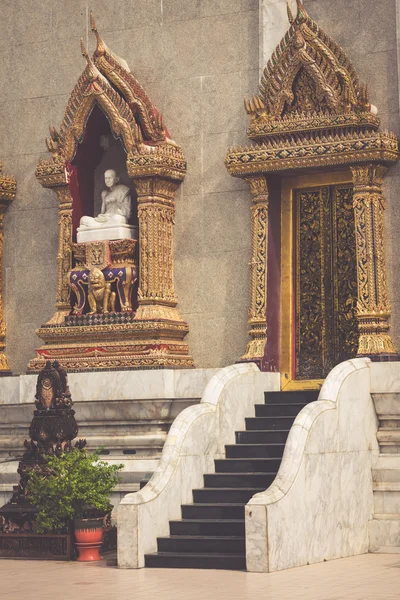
x,y
100,43
301,11
84,51
93,22
290,14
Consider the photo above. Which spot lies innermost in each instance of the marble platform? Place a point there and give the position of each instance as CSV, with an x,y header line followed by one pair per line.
x,y
128,413
106,232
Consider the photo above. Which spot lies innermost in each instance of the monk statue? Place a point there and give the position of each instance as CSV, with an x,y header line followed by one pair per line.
x,y
112,222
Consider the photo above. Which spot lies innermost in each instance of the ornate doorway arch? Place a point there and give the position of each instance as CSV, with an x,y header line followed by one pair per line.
x,y
152,336
312,118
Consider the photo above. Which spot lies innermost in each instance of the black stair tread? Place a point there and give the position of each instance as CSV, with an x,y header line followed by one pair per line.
x,y
244,473
207,520
197,554
180,560
228,489
201,537
219,504
283,404
263,430
293,396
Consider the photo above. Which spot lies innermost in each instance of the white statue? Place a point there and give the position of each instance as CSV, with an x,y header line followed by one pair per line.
x,y
112,222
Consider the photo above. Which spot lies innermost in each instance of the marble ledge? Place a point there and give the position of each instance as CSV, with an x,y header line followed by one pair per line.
x,y
115,385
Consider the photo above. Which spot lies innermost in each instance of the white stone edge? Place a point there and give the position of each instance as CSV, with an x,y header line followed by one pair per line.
x,y
300,430
180,429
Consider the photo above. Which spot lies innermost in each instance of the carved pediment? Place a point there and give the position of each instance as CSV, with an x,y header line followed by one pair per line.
x,y
309,82
108,82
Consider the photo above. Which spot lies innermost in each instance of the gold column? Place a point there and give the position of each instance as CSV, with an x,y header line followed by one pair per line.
x,y
258,269
373,308
156,212
51,174
8,188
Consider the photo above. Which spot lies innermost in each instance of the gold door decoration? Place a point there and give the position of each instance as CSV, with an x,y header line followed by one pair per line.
x,y
312,113
373,308
153,337
8,189
258,270
326,280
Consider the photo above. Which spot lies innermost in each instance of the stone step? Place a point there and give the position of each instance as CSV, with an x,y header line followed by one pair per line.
x,y
280,410
266,423
225,495
302,397
213,511
262,437
247,465
175,560
386,486
386,501
208,527
239,480
254,451
384,534
201,544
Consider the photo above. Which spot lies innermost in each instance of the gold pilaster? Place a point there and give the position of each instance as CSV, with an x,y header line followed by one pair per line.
x,y
51,174
373,308
156,212
8,188
258,269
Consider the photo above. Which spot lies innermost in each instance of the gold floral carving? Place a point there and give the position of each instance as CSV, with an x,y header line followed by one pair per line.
x,y
258,269
373,308
8,189
156,166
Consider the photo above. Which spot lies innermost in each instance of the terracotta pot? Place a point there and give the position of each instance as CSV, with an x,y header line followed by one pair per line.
x,y
89,536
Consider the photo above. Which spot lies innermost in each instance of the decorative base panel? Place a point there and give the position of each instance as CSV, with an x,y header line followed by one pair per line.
x,y
134,345
32,546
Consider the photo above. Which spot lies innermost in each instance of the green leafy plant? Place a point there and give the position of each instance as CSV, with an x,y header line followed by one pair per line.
x,y
73,485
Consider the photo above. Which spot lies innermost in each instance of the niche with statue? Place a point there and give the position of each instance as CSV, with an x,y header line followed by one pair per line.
x,y
115,170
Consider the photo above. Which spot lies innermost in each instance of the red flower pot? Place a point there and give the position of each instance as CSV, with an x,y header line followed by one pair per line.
x,y
89,536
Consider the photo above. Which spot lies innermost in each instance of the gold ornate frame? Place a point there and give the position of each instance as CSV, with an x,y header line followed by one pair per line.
x,y
156,166
289,184
313,115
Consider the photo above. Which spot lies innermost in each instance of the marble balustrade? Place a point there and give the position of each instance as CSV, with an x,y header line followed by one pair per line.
x,y
197,436
320,504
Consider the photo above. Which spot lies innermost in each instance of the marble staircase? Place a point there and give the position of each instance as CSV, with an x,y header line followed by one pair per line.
x,y
211,533
384,529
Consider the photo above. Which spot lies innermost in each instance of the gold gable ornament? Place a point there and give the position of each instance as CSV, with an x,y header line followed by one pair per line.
x,y
152,335
312,115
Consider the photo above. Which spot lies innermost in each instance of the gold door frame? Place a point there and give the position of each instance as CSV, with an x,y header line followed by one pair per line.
x,y
288,299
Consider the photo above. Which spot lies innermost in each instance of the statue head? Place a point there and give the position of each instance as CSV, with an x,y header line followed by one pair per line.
x,y
110,178
96,279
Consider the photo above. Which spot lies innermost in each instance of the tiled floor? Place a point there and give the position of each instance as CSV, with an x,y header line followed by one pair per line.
x,y
371,576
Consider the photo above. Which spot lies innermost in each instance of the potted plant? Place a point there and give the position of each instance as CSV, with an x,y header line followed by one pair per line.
x,y
72,491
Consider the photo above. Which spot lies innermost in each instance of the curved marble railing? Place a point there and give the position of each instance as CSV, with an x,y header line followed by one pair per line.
x,y
197,436
321,500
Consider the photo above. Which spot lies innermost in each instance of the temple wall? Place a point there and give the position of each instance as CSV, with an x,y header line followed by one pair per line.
x,y
197,59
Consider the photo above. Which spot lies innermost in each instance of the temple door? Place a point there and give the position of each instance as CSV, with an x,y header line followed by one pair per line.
x,y
325,280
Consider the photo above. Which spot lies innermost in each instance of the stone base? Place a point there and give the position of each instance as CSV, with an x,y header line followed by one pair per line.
x,y
131,345
106,232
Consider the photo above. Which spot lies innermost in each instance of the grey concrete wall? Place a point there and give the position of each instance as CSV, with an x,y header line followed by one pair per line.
x,y
197,59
